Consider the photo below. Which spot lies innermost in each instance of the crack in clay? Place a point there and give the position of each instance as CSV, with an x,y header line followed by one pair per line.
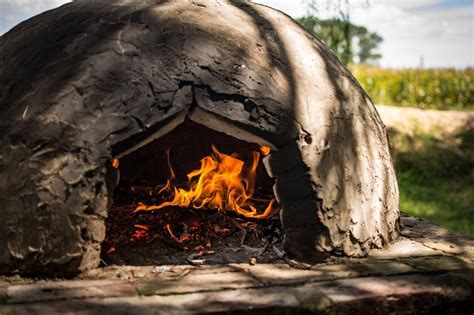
x,y
119,35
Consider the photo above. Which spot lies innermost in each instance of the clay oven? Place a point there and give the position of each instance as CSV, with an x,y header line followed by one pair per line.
x,y
93,82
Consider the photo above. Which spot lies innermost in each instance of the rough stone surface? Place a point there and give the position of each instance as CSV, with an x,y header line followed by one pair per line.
x,y
436,237
441,283
403,248
72,289
103,76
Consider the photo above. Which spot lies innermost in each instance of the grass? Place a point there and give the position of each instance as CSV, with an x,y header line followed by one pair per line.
x,y
436,178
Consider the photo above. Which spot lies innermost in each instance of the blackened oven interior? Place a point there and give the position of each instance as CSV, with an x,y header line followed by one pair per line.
x,y
182,235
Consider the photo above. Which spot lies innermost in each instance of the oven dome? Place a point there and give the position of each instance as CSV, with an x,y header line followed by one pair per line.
x,y
86,82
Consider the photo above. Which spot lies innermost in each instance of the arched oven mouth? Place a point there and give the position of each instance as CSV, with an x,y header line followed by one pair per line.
x,y
192,195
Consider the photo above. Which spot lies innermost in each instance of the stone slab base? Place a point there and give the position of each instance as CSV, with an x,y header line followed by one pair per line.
x,y
427,270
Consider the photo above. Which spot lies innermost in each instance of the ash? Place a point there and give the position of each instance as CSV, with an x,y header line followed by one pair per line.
x,y
175,235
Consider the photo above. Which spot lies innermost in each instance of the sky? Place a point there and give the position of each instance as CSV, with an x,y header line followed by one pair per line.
x,y
432,33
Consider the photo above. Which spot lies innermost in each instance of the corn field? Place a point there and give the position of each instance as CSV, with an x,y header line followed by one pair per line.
x,y
423,88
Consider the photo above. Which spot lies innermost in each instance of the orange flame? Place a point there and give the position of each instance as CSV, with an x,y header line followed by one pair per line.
x,y
180,239
111,249
141,232
265,150
221,183
115,163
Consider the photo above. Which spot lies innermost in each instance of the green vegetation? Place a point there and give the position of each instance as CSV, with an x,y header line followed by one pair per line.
x,y
436,178
430,88
351,43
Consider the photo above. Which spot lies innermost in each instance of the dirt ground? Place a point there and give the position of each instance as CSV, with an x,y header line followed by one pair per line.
x,y
439,123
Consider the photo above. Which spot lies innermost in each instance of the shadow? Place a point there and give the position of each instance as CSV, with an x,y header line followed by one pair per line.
x,y
274,46
352,149
114,72
67,35
436,177
429,286
47,117
342,158
359,155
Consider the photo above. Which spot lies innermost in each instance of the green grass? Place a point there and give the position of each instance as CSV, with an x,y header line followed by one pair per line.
x,y
447,203
436,178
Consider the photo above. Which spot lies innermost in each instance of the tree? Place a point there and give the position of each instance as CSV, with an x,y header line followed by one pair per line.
x,y
350,42
367,43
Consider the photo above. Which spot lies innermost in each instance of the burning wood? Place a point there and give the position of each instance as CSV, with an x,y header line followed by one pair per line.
x,y
196,258
111,250
222,182
220,211
184,237
171,235
141,232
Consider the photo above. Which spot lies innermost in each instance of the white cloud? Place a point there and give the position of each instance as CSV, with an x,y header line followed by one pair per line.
x,y
442,36
294,8
439,37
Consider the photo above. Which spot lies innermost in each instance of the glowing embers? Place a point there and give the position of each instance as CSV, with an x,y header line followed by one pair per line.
x,y
222,182
141,232
176,235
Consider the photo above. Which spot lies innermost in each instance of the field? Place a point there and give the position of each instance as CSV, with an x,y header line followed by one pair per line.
x,y
422,88
434,156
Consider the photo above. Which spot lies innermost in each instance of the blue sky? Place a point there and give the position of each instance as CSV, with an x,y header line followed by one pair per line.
x,y
439,32
443,4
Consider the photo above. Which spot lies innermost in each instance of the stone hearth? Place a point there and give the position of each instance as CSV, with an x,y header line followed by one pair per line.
x,y
427,270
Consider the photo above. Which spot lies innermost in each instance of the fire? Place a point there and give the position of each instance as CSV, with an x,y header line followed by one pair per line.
x,y
222,182
265,150
111,250
180,239
141,232
115,163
